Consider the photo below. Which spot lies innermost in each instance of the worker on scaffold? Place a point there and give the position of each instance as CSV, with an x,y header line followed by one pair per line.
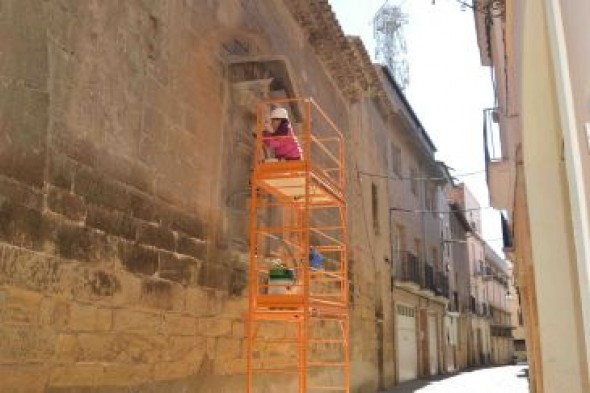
x,y
280,138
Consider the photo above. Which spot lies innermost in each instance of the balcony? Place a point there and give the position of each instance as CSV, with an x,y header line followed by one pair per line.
x,y
407,270
453,305
483,310
428,279
499,168
441,285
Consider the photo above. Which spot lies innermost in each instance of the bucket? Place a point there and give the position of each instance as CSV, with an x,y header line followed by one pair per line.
x,y
281,281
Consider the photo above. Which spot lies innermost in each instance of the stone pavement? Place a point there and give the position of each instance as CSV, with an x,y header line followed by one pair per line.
x,y
505,379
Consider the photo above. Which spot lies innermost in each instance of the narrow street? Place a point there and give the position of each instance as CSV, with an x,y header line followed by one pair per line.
x,y
505,379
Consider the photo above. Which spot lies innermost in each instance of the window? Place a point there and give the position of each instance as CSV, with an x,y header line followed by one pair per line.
x,y
396,159
430,198
435,261
375,208
418,246
414,181
433,200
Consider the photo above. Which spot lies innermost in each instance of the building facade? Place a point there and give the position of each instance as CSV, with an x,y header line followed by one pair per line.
x,y
482,282
124,173
498,277
538,172
460,304
477,322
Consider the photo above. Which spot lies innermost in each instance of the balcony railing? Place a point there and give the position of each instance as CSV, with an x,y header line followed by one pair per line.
x,y
454,303
428,281
483,310
407,268
441,284
492,138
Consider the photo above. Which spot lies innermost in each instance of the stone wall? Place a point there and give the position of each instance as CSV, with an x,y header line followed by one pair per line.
x,y
120,263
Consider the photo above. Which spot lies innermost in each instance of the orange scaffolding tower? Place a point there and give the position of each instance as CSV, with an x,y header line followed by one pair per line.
x,y
298,320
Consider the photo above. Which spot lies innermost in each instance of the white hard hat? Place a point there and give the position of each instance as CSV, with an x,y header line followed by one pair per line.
x,y
279,113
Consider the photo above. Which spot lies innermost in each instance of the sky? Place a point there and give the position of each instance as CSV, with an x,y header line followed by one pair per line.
x,y
448,87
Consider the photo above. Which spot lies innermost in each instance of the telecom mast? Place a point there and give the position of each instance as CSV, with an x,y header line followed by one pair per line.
x,y
388,31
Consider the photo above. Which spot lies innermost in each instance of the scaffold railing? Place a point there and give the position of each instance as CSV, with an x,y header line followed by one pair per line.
x,y
298,320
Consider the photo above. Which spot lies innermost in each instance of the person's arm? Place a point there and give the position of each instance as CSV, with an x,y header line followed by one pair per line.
x,y
269,141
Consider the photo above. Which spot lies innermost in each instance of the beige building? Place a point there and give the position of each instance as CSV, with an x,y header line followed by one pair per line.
x,y
476,322
497,277
518,331
539,173
420,284
460,304
483,283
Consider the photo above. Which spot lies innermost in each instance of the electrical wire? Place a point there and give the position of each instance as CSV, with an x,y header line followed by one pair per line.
x,y
400,209
493,8
400,178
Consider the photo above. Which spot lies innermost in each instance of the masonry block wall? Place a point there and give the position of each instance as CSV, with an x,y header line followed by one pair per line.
x,y
117,129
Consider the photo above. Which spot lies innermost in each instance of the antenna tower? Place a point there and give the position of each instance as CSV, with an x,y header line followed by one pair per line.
x,y
388,31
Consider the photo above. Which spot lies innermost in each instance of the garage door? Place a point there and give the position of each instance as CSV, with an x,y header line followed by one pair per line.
x,y
407,346
432,344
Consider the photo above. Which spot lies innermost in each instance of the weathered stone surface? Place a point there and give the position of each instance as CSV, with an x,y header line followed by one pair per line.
x,y
192,247
30,378
99,283
187,347
126,374
157,293
28,269
18,192
24,126
197,301
81,243
22,343
189,224
174,370
129,320
180,325
228,348
230,367
181,269
147,209
61,171
68,143
238,329
112,222
215,276
215,327
155,235
87,317
66,204
138,259
23,226
67,348
20,306
98,189
76,375
121,348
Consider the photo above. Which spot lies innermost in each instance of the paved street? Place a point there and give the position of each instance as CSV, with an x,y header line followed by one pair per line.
x,y
506,379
